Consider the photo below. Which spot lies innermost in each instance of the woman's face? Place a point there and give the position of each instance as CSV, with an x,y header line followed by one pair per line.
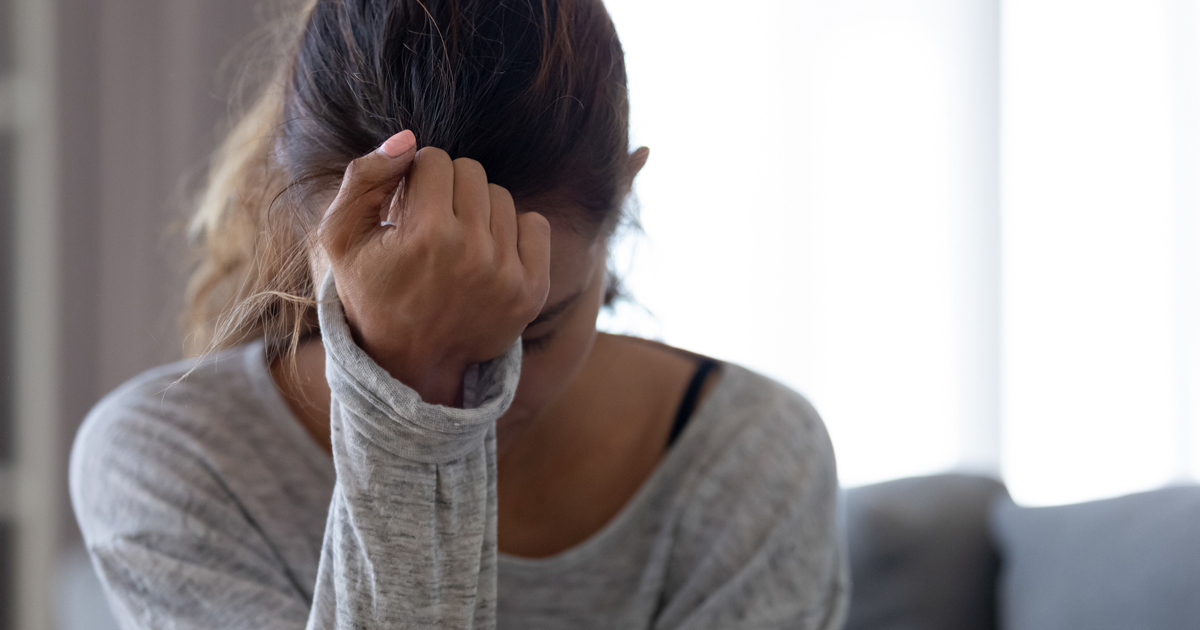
x,y
557,343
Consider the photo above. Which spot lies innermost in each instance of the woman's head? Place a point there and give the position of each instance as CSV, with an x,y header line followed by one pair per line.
x,y
534,90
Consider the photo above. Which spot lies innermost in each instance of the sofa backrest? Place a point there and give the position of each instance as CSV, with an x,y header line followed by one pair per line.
x,y
921,557
1129,562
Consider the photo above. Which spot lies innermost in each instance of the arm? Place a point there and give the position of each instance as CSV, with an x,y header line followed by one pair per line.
x,y
177,543
411,535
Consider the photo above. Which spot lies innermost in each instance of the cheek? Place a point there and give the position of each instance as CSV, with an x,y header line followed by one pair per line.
x,y
545,374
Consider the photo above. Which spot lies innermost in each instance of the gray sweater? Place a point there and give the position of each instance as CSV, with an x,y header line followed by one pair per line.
x,y
205,504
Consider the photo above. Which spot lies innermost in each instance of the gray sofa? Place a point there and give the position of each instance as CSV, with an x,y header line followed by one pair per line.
x,y
953,552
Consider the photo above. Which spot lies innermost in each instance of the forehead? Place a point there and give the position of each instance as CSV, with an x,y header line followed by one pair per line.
x,y
574,258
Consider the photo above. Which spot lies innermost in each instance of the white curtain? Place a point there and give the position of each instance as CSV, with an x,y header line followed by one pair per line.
x,y
966,232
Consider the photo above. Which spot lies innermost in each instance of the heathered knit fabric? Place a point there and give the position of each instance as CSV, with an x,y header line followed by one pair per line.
x,y
205,504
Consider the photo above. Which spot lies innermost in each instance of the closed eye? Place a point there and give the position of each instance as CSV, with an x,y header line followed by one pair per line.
x,y
554,310
536,344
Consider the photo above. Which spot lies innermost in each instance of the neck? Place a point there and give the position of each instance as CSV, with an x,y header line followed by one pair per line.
x,y
305,389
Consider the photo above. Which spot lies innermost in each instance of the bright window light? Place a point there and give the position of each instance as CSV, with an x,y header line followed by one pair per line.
x,y
802,207
823,204
1091,258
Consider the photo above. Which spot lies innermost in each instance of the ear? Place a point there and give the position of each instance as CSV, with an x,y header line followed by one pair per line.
x,y
637,160
633,165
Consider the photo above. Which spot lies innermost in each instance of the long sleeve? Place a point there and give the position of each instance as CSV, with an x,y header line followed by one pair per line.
x,y
410,540
205,505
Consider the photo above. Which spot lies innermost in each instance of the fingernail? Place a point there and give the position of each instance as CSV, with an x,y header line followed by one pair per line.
x,y
398,144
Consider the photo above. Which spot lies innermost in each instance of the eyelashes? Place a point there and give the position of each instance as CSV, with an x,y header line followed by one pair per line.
x,y
537,344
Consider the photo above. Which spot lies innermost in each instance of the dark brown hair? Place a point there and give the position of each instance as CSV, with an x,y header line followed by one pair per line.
x,y
535,90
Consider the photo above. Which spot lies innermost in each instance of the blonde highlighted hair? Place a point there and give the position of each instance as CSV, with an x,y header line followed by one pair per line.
x,y
252,278
535,90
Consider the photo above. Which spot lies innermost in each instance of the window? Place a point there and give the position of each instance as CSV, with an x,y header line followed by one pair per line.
x,y
962,268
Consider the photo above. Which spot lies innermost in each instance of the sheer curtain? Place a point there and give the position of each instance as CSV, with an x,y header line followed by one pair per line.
x,y
965,232
1102,147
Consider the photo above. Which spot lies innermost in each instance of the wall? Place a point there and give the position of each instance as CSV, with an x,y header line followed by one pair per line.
x,y
107,107
141,105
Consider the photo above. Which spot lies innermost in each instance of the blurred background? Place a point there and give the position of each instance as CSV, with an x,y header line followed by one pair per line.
x,y
967,230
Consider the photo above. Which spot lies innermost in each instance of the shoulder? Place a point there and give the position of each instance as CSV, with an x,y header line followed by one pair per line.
x,y
193,398
756,534
167,478
760,427
758,456
157,436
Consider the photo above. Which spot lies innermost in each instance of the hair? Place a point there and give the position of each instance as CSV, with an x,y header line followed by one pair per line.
x,y
534,90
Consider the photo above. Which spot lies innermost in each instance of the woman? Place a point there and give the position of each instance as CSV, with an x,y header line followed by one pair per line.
x,y
411,421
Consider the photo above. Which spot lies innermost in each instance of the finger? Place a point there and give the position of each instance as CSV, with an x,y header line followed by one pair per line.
x,y
472,200
533,246
430,186
393,208
367,186
503,219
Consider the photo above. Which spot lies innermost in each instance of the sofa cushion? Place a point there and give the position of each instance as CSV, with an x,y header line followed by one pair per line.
x,y
1129,562
920,554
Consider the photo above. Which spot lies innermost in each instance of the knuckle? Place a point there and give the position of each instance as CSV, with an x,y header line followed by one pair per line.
x,y
355,169
469,167
539,286
434,156
535,222
331,237
447,235
531,305
475,255
500,194
538,283
514,280
435,231
481,247
514,285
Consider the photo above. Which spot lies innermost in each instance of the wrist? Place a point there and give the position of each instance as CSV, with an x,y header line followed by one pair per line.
x,y
436,382
435,374
437,379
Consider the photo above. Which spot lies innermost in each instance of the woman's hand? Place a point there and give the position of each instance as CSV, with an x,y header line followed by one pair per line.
x,y
452,283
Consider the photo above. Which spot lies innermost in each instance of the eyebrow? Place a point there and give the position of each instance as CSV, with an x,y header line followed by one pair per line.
x,y
556,309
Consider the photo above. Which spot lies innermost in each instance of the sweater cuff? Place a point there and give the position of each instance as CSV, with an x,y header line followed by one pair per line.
x,y
392,414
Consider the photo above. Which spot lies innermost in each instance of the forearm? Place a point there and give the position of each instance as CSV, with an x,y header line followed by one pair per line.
x,y
410,540
408,545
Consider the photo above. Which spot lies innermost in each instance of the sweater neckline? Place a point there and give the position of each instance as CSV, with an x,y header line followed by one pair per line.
x,y
686,448
690,445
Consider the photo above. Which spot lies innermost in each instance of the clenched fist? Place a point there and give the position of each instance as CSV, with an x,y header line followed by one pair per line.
x,y
437,274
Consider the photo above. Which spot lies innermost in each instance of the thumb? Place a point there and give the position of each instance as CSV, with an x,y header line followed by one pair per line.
x,y
367,186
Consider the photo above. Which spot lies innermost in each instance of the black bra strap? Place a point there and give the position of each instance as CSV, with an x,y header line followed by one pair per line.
x,y
688,404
